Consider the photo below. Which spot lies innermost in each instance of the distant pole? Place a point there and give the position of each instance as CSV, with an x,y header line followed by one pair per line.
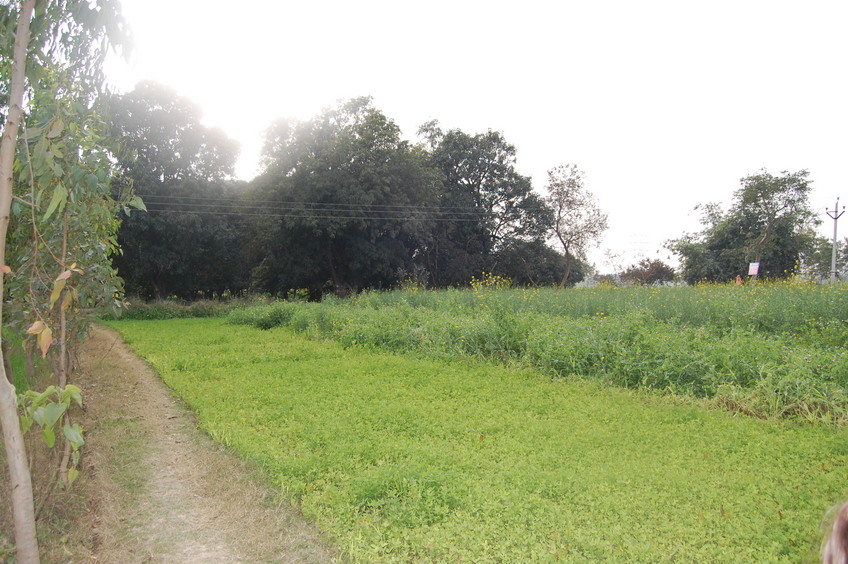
x,y
834,215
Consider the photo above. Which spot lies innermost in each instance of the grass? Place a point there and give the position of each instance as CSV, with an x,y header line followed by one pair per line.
x,y
420,459
771,350
138,308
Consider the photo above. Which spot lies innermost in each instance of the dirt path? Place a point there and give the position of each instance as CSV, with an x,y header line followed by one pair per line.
x,y
162,490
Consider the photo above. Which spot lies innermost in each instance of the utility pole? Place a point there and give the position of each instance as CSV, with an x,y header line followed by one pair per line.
x,y
834,215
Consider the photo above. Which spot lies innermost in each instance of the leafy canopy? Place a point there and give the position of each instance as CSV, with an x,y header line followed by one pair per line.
x,y
770,222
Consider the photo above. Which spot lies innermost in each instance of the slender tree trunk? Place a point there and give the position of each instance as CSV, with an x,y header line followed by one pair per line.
x,y
568,261
23,511
7,365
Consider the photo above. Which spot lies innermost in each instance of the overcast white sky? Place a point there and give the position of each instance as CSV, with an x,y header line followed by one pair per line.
x,y
663,104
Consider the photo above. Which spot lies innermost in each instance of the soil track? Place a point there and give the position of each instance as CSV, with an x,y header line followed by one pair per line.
x,y
161,490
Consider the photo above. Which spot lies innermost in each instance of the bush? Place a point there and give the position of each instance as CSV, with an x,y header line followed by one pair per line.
x,y
174,309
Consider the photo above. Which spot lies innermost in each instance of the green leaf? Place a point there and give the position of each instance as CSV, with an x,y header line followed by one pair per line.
x,y
38,416
137,203
56,130
72,475
60,196
74,435
74,393
58,286
52,413
26,423
49,436
32,133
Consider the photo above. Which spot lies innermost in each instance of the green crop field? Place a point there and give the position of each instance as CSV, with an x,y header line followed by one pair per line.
x,y
479,445
770,350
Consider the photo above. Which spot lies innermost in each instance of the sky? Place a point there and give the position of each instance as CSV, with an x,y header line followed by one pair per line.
x,y
663,105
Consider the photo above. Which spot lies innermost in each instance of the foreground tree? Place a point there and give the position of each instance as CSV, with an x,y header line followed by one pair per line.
x,y
770,222
13,440
59,181
578,221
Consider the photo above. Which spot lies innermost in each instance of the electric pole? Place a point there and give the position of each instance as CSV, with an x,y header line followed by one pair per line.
x,y
834,215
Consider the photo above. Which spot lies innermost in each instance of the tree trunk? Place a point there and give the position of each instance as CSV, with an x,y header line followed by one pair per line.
x,y
568,261
23,511
7,365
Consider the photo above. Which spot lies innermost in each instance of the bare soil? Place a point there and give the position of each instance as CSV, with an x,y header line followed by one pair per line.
x,y
158,489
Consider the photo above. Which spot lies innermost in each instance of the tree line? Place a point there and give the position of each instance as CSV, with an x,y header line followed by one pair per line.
x,y
341,203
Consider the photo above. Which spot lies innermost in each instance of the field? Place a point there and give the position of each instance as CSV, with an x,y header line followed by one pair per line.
x,y
772,350
505,431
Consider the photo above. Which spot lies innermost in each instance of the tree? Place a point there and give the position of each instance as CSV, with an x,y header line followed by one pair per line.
x,y
486,204
53,61
578,222
769,222
816,262
647,272
778,203
189,242
346,202
534,263
21,482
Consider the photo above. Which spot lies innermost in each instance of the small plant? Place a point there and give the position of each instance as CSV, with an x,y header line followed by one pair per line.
x,y
46,409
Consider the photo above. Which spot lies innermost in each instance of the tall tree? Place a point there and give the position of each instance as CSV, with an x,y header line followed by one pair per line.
x,y
188,243
777,202
578,221
345,200
769,222
487,205
51,55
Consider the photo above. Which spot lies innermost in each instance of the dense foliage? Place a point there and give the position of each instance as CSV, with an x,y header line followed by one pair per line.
x,y
342,203
348,203
403,458
57,222
770,223
189,242
487,206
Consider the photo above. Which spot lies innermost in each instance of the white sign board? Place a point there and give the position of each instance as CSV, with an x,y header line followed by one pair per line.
x,y
753,269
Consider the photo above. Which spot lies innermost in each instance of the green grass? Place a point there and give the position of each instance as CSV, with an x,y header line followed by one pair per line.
x,y
771,350
419,459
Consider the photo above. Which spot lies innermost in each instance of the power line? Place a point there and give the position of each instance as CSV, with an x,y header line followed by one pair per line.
x,y
297,210
169,199
165,203
313,216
